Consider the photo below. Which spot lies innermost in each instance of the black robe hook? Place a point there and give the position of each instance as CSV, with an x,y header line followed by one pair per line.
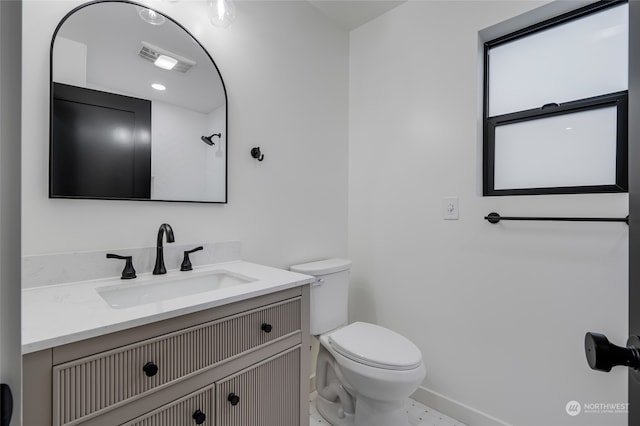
x,y
255,153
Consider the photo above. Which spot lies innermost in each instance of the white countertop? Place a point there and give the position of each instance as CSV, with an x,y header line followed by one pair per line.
x,y
55,315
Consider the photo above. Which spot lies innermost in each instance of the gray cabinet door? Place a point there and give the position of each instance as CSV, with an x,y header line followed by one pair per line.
x,y
265,394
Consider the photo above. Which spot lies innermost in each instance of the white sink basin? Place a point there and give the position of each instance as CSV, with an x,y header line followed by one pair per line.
x,y
160,288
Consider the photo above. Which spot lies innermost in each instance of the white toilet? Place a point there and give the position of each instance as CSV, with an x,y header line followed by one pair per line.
x,y
365,372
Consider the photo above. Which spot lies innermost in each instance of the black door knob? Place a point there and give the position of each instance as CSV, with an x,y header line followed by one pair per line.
x,y
199,417
266,327
603,355
233,399
150,369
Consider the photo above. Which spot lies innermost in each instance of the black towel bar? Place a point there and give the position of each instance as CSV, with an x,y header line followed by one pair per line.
x,y
495,218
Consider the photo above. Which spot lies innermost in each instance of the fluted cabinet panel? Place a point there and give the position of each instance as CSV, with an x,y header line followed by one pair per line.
x,y
181,412
268,394
92,385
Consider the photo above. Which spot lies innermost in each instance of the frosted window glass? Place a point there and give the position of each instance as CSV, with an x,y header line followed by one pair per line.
x,y
576,60
577,149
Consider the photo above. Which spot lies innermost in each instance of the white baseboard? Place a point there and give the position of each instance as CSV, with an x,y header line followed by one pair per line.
x,y
455,409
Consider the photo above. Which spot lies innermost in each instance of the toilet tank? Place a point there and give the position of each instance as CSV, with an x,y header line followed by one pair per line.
x,y
329,293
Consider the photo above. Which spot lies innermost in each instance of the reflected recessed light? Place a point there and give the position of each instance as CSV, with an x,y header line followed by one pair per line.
x,y
158,86
165,62
568,128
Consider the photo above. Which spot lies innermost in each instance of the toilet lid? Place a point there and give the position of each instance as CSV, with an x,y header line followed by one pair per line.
x,y
376,346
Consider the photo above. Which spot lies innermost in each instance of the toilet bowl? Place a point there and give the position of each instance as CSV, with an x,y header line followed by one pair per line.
x,y
377,367
364,372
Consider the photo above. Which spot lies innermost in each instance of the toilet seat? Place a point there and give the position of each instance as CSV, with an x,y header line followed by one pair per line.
x,y
375,346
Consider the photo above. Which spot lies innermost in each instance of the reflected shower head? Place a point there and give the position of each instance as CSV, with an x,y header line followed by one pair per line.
x,y
208,139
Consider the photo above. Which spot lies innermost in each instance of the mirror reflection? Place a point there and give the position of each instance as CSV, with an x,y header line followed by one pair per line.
x,y
138,109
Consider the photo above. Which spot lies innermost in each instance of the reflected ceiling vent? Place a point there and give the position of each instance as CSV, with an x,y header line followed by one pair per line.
x,y
164,59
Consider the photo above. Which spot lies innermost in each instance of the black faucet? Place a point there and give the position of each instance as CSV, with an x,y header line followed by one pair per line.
x,y
159,269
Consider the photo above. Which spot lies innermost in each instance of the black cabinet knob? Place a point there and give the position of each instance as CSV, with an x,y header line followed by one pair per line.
x,y
233,399
199,417
150,369
266,327
603,355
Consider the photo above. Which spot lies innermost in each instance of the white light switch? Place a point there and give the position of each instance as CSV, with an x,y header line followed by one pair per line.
x,y
450,209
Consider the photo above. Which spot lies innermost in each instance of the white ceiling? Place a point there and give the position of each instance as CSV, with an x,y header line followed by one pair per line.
x,y
350,14
113,34
116,32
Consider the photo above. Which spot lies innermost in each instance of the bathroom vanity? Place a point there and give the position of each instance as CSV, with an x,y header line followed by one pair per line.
x,y
235,355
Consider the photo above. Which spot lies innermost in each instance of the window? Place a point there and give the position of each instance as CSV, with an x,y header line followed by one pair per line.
x,y
555,105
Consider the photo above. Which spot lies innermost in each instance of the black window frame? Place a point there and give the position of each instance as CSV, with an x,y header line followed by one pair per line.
x,y
490,123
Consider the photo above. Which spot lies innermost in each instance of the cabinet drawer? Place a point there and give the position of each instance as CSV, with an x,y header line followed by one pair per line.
x,y
193,409
92,385
248,398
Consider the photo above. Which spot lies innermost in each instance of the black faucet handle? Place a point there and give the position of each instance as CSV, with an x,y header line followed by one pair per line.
x,y
186,262
128,272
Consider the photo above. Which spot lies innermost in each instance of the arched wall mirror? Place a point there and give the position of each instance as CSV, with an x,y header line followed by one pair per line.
x,y
138,109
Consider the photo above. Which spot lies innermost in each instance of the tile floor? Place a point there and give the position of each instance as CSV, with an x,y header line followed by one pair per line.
x,y
419,415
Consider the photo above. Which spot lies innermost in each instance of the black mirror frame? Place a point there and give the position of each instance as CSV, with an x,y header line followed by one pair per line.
x,y
51,101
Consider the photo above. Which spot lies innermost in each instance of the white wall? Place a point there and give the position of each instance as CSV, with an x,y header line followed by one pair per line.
x,y
214,156
285,68
183,167
70,62
499,311
177,153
